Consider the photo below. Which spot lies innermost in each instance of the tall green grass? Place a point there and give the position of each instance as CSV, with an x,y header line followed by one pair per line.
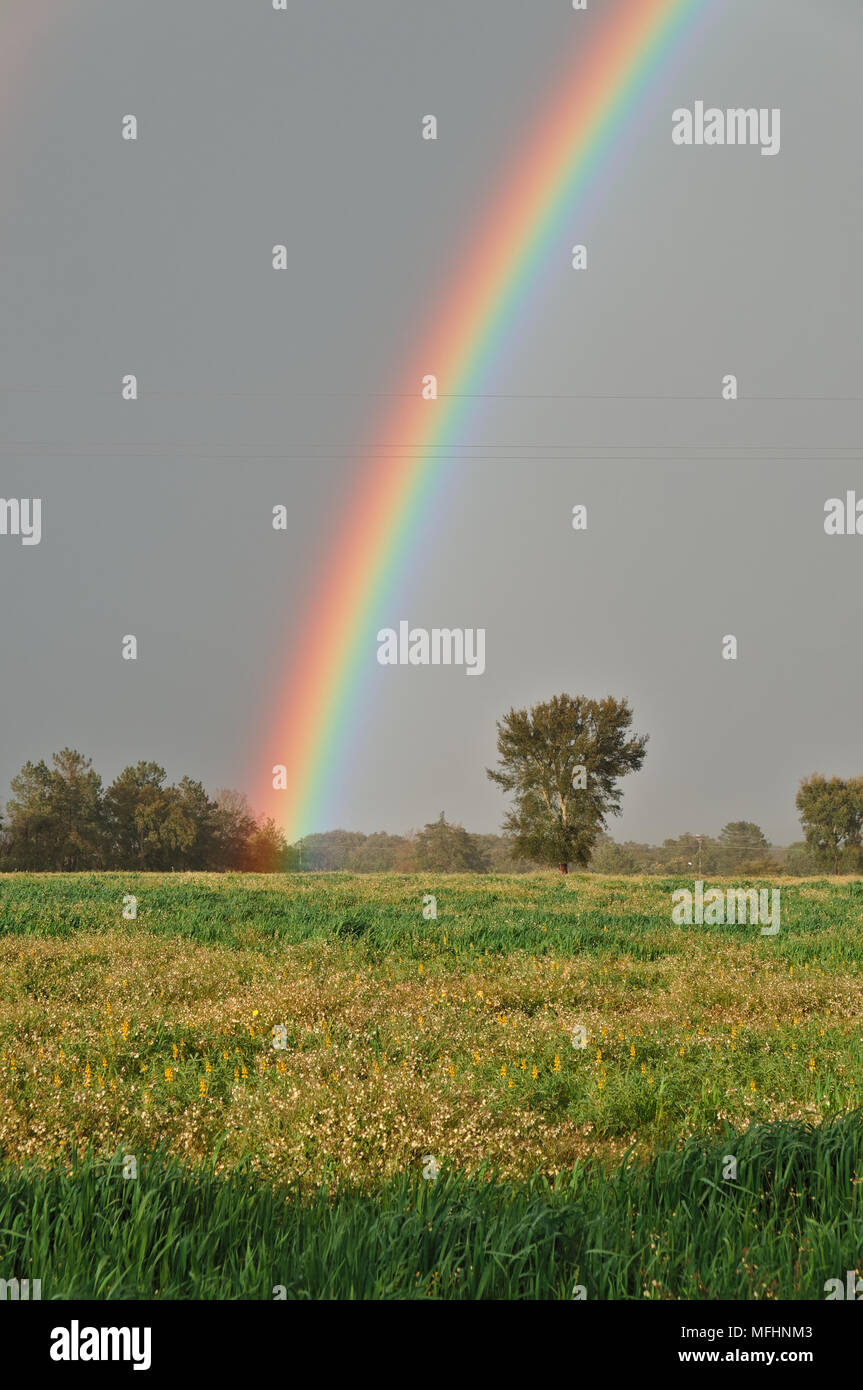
x,y
671,1228
379,915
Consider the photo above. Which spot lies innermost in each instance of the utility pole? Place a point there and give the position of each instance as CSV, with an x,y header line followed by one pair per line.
x,y
699,838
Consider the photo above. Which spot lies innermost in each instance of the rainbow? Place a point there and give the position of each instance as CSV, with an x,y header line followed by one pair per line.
x,y
529,226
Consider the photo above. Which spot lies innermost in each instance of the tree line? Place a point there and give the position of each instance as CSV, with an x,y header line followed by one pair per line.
x,y
61,818
561,762
740,847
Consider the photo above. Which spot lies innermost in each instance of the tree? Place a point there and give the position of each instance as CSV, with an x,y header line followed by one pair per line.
x,y
267,851
798,860
191,813
610,858
144,821
31,829
741,842
55,817
379,853
76,792
831,814
563,760
232,825
500,856
328,851
449,849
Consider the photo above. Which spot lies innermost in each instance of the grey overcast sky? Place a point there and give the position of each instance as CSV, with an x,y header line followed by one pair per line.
x,y
257,388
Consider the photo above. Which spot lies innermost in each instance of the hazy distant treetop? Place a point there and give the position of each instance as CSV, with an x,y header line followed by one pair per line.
x,y
448,849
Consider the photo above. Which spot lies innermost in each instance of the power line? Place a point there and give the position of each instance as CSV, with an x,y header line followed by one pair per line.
x,y
180,455
442,395
414,450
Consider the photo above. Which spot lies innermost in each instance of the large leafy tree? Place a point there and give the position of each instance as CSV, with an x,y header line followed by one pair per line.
x,y
831,813
559,810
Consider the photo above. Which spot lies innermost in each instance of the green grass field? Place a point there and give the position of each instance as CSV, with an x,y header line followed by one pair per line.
x,y
301,1165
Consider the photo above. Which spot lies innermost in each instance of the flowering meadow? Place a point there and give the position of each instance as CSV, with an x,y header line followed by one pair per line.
x,y
543,1040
